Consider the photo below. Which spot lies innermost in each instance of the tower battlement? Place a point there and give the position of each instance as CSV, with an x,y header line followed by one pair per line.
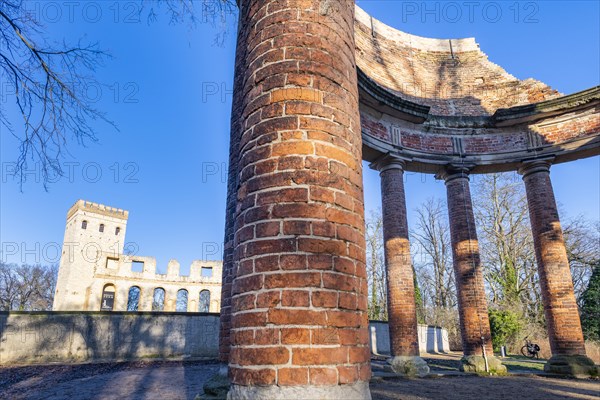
x,y
98,209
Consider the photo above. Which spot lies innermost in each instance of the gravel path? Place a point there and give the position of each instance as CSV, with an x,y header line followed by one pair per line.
x,y
466,387
133,380
175,380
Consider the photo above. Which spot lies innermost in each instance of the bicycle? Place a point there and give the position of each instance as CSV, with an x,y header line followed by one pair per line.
x,y
530,350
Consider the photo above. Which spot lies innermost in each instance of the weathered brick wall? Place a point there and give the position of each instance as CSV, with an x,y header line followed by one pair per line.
x,y
454,76
470,287
560,307
402,312
483,141
299,292
231,204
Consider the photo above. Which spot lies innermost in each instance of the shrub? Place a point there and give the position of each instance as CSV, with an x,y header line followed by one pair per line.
x,y
590,307
505,326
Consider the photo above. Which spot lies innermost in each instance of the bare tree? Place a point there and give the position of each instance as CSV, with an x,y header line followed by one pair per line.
x,y
133,298
49,81
506,242
376,275
181,303
27,287
582,240
433,254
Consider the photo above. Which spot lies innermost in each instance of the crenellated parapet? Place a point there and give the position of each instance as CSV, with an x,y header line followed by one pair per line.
x,y
122,267
97,208
95,274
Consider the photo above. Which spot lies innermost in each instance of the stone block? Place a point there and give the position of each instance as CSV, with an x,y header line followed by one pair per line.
x,y
409,366
573,365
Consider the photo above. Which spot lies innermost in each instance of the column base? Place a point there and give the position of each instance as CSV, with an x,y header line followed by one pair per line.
x,y
216,387
572,365
356,391
409,366
477,364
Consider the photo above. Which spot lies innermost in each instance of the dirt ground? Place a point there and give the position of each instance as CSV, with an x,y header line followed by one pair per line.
x,y
174,380
474,387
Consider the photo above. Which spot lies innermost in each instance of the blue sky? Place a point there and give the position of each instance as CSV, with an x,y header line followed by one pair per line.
x,y
168,88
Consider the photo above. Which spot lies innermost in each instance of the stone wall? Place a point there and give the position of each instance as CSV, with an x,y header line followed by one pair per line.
x,y
432,339
71,337
67,337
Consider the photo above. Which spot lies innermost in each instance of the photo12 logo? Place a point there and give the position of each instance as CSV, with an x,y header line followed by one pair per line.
x,y
53,252
470,11
73,171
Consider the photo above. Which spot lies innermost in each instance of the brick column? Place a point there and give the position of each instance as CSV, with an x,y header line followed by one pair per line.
x,y
299,294
402,312
230,207
560,307
470,288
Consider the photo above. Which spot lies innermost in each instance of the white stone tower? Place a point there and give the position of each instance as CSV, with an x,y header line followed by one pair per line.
x,y
92,232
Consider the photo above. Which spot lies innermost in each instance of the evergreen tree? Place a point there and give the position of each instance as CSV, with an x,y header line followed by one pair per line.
x,y
590,307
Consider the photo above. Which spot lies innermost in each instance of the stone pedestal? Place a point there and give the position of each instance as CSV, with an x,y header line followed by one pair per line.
x,y
299,322
560,307
579,366
409,366
477,364
217,387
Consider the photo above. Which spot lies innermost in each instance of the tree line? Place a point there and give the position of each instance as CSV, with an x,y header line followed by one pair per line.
x,y
27,287
507,258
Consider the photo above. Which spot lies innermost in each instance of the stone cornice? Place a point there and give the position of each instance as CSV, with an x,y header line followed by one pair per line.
x,y
384,100
549,108
384,97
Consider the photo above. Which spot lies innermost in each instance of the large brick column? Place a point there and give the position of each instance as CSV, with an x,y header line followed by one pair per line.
x,y
402,312
299,294
560,307
470,288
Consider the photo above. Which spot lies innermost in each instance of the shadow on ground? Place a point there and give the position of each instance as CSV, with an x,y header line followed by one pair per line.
x,y
476,387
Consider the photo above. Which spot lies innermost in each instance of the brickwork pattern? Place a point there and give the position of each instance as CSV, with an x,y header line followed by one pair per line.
x,y
230,207
560,307
453,76
402,313
438,140
472,302
299,293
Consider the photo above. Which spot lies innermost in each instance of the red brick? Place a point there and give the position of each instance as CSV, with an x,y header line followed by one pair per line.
x,y
292,376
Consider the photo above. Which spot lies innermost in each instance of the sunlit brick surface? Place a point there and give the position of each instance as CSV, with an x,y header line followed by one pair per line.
x,y
400,280
560,307
472,302
298,310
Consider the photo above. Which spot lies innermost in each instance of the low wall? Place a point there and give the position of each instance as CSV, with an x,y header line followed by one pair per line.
x,y
432,339
42,337
89,336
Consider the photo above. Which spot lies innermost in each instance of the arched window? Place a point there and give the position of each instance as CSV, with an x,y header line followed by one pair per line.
x,y
204,304
182,301
108,298
84,224
158,300
117,230
101,228
133,299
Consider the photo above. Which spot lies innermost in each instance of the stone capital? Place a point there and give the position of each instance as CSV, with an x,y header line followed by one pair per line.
x,y
389,161
455,171
534,166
